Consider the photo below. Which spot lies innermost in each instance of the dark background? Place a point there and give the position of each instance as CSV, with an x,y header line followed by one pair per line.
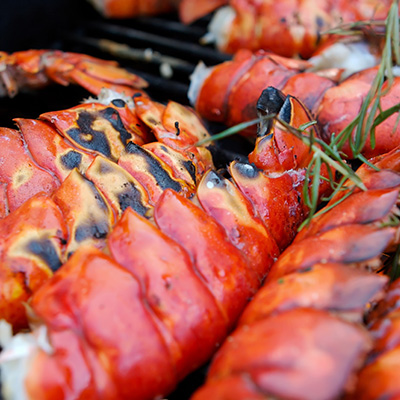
x,y
34,24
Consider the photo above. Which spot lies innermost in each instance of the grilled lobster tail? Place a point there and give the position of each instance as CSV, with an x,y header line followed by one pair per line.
x,y
238,83
37,68
136,319
302,334
288,28
68,177
132,8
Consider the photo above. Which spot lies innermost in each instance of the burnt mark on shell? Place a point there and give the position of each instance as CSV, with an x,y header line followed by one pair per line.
x,y
190,167
46,251
71,160
320,22
92,230
87,137
96,194
247,170
178,130
131,197
104,168
216,179
286,111
269,103
163,179
118,103
113,117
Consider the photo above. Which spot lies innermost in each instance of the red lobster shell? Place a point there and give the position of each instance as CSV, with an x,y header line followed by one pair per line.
x,y
134,320
294,340
238,84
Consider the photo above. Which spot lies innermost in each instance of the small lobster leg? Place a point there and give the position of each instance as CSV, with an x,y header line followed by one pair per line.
x,y
19,172
38,68
31,247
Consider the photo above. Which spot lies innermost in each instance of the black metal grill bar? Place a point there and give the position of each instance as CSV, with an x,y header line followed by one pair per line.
x,y
161,43
124,51
190,32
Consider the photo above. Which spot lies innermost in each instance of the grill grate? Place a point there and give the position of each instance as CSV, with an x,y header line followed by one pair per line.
x,y
162,50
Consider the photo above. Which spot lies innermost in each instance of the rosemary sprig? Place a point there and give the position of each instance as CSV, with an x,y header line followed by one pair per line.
x,y
366,121
234,130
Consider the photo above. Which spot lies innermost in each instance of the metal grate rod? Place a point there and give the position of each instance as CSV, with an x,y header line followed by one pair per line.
x,y
196,52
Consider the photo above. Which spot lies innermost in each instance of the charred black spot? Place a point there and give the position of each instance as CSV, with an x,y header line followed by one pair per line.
x,y
247,170
320,22
96,194
132,148
318,39
71,160
163,148
189,166
304,270
97,230
136,95
114,118
270,102
178,131
155,168
215,179
118,103
46,251
152,121
283,20
132,197
286,111
105,168
97,141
